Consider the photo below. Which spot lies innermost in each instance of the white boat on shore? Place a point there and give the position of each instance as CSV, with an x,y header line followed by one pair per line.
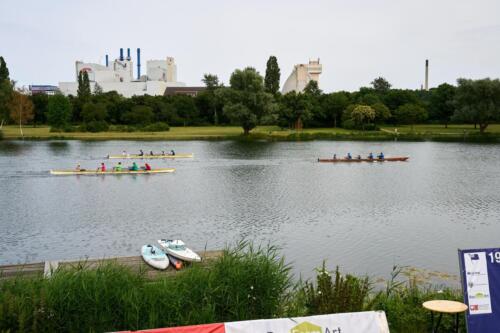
x,y
178,249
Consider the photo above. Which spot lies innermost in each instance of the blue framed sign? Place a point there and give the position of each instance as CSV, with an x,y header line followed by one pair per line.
x,y
480,275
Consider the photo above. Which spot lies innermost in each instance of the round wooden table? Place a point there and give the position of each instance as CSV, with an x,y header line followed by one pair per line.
x,y
444,306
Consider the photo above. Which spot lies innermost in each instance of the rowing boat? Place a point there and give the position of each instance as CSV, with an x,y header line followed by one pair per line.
x,y
146,156
387,159
110,172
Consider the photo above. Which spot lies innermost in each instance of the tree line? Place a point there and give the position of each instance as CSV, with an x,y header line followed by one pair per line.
x,y
251,100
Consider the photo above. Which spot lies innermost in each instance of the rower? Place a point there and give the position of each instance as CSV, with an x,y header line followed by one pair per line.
x,y
102,168
151,153
359,157
141,153
124,153
162,153
172,152
370,156
334,156
381,156
147,167
78,167
119,167
349,156
134,167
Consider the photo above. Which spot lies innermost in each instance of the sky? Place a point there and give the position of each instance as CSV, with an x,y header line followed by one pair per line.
x,y
355,40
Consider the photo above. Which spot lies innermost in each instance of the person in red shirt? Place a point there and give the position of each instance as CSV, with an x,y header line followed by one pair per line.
x,y
147,167
102,168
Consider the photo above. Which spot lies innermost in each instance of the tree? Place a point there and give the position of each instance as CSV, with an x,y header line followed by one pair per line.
x,y
362,114
58,111
442,103
6,90
295,108
334,104
83,91
40,102
382,112
246,103
211,81
478,101
139,115
94,112
98,89
21,109
381,85
312,89
186,109
410,114
272,78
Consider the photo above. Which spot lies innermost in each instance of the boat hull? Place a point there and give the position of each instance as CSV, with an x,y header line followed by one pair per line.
x,y
111,172
158,259
145,156
354,160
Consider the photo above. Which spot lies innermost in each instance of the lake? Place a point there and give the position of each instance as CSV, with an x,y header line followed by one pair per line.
x,y
364,217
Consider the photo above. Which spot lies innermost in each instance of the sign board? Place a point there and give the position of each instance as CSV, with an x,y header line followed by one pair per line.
x,y
480,275
354,322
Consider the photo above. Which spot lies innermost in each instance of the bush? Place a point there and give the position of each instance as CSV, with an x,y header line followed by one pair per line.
x,y
95,126
157,127
1,135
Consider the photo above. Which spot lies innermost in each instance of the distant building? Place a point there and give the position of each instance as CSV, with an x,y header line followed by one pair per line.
x,y
301,75
119,76
43,89
191,91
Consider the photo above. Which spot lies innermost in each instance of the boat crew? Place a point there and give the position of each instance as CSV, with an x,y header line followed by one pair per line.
x,y
172,152
119,167
141,153
370,156
380,156
349,156
134,167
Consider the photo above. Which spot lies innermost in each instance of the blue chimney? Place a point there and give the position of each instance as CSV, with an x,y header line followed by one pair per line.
x,y
128,53
138,63
121,54
107,60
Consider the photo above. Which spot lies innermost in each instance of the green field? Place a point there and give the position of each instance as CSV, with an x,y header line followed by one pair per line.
x,y
418,132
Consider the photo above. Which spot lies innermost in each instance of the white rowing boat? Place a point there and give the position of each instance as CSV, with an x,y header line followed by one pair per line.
x,y
110,172
147,156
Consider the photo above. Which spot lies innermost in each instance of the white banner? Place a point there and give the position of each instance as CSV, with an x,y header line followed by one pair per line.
x,y
354,322
478,285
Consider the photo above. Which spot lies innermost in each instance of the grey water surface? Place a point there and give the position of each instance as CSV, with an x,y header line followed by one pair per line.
x,y
364,217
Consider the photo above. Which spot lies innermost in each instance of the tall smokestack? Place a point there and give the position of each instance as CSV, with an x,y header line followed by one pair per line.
x,y
426,86
138,63
121,54
107,60
128,53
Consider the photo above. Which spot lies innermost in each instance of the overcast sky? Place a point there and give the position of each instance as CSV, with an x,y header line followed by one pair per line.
x,y
355,40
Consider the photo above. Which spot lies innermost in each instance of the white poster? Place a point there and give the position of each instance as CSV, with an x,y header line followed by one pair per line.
x,y
478,287
355,322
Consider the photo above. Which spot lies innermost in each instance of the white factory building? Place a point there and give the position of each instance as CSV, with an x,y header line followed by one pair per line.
x,y
118,75
301,75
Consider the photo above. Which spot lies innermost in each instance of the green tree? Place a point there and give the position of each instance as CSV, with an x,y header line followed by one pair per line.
x,y
312,89
381,85
97,89
94,112
207,100
382,112
334,104
139,115
6,90
21,109
478,101
272,78
83,91
410,114
442,103
58,111
295,108
362,114
185,109
211,81
246,103
40,103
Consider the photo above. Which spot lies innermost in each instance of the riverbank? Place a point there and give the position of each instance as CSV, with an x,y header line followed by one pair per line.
x,y
454,133
244,283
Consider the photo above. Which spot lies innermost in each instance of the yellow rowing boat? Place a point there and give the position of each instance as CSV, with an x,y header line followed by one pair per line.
x,y
147,156
110,172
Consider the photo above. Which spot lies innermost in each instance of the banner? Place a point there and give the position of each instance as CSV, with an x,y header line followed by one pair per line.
x,y
208,328
354,322
480,275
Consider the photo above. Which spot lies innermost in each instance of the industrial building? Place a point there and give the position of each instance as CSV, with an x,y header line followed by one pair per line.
x,y
35,89
301,75
118,76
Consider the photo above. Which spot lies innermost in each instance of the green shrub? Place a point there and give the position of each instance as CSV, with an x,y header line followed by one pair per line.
x,y
95,126
156,127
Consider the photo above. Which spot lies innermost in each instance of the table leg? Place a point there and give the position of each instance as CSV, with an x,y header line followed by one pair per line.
x,y
438,322
456,322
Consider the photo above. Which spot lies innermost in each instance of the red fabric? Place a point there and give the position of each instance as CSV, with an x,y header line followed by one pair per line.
x,y
148,167
208,328
103,168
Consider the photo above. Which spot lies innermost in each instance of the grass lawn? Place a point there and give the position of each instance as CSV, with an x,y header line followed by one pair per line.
x,y
175,133
439,129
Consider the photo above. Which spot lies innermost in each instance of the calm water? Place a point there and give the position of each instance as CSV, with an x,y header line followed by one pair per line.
x,y
363,217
